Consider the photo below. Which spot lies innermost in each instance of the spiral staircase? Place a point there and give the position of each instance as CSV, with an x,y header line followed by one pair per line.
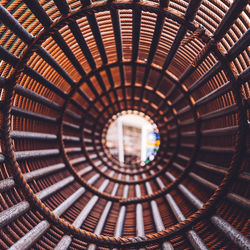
x,y
68,67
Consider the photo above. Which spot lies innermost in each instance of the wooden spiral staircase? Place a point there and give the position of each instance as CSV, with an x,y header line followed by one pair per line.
x,y
67,67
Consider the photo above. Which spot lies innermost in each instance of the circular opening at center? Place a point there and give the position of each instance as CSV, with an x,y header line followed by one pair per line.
x,y
132,138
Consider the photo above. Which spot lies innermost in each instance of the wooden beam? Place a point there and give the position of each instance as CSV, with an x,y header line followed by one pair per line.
x,y
66,240
230,232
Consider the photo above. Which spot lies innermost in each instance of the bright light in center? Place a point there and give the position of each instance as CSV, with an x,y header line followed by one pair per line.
x,y
132,138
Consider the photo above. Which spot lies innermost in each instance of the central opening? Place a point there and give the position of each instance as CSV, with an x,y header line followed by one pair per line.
x,y
132,138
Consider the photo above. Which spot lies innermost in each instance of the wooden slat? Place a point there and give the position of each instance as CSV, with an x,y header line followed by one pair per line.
x,y
66,240
27,155
136,30
157,216
104,216
121,217
235,198
34,234
10,183
234,235
230,17
139,212
189,16
13,60
17,210
193,237
32,115
115,17
217,169
36,97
